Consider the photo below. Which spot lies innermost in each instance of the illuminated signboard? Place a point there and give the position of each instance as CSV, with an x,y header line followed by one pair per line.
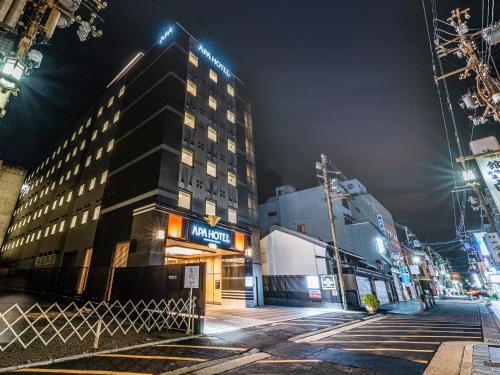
x,y
205,234
479,237
169,31
214,60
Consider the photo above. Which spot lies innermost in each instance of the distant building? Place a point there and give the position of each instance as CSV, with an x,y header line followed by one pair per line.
x,y
11,181
305,211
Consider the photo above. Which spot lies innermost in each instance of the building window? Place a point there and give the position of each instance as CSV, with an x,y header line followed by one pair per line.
x,y
193,59
97,210
61,201
61,225
94,135
92,184
212,102
184,199
99,112
110,101
85,216
230,90
211,169
210,207
87,162
89,121
54,228
105,126
231,146
187,157
231,178
82,145
213,75
189,120
116,117
110,145
191,87
99,154
76,170
81,189
212,134
73,221
230,116
232,215
122,91
301,228
104,177
70,195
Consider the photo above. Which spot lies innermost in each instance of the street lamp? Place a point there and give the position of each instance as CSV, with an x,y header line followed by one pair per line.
x,y
416,259
468,175
11,71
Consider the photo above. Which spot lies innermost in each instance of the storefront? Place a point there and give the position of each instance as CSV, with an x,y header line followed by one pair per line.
x,y
226,253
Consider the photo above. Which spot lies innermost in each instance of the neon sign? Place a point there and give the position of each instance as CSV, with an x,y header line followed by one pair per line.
x,y
214,60
206,234
166,34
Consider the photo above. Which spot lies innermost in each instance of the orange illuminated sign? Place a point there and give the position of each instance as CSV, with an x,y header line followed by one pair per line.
x,y
239,241
174,226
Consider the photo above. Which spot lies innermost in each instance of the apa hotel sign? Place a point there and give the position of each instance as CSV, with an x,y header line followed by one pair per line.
x,y
205,234
214,60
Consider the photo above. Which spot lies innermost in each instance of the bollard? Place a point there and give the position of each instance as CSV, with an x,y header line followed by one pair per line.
x,y
98,334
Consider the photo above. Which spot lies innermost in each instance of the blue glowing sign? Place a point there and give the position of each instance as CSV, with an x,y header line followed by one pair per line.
x,y
205,234
214,60
166,34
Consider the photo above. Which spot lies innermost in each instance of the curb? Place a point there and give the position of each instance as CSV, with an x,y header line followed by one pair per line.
x,y
88,355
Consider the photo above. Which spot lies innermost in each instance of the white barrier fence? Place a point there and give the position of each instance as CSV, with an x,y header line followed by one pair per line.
x,y
44,324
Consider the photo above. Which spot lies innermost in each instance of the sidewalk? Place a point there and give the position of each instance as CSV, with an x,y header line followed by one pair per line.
x,y
406,307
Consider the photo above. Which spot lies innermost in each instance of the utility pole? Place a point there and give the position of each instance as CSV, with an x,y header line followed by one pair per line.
x,y
327,183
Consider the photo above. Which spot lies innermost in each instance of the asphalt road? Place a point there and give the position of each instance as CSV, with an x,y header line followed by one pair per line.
x,y
391,345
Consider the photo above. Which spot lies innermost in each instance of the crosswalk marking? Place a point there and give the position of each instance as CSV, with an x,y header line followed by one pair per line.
x,y
289,361
159,357
409,330
203,347
82,372
414,336
388,350
378,342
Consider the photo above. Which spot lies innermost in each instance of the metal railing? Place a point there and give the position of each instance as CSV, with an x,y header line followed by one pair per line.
x,y
45,324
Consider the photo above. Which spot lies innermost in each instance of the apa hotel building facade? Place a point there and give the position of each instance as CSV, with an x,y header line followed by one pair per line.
x,y
160,171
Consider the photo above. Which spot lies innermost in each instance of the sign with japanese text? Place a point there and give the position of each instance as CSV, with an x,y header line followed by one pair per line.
x,y
489,165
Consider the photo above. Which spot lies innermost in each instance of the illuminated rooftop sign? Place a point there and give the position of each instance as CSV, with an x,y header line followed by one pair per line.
x,y
166,34
214,60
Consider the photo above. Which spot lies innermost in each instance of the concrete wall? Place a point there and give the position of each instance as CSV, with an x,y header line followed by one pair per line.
x,y
286,254
11,180
306,207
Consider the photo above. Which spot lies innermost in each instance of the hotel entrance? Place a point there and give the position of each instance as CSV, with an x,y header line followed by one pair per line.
x,y
224,251
213,259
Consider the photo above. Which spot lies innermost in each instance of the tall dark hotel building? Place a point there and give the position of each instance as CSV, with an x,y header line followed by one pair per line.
x,y
160,171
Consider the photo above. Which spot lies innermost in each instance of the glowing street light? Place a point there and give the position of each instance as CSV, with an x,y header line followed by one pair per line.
x,y
468,175
416,259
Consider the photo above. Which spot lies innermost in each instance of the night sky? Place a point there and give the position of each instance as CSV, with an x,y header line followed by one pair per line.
x,y
350,79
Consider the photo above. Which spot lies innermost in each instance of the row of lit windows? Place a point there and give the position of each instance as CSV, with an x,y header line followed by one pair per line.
x,y
212,102
190,121
187,158
60,201
54,228
184,201
73,137
75,169
193,59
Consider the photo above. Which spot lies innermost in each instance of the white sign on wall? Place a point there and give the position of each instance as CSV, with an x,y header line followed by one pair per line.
x,y
489,165
192,277
414,269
